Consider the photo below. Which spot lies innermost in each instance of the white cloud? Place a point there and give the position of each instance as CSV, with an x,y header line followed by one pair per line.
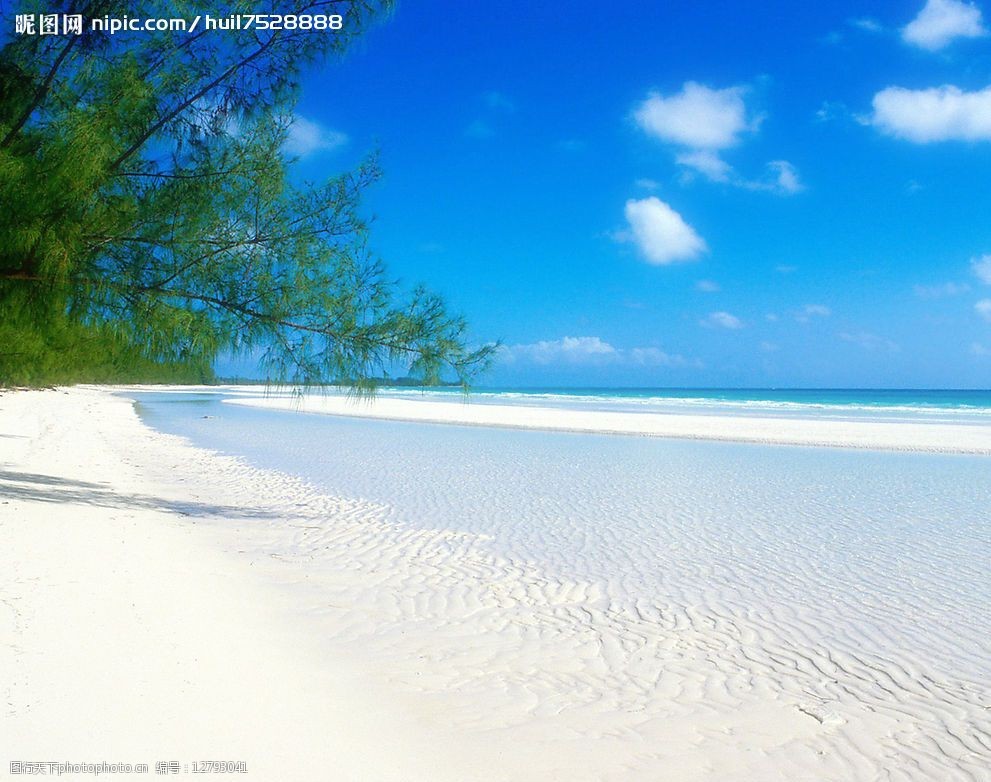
x,y
783,179
944,113
810,311
941,291
868,341
568,350
832,110
703,121
867,24
655,357
721,320
786,177
707,286
307,137
698,117
647,184
660,233
707,163
940,21
983,308
585,351
982,268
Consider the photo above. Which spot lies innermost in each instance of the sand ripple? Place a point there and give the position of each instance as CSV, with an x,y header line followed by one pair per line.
x,y
764,632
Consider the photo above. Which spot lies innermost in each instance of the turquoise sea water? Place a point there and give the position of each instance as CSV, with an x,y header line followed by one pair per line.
x,y
971,399
811,398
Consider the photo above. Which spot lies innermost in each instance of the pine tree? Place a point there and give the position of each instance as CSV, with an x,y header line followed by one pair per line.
x,y
147,215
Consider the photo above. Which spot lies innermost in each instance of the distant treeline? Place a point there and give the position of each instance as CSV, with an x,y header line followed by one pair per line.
x,y
405,382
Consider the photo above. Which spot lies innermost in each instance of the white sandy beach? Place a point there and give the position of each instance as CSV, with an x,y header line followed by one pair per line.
x,y
135,628
161,602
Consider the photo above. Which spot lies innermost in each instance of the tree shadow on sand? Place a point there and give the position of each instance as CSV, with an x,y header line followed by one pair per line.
x,y
35,487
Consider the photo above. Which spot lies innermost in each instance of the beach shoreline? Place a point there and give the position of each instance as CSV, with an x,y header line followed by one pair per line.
x,y
805,430
164,602
142,624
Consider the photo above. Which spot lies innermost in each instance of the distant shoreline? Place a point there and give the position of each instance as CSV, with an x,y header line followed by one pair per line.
x,y
797,430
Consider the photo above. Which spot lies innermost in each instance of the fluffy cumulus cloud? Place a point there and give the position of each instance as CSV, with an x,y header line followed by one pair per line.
x,y
944,113
660,233
589,351
721,320
983,308
698,117
307,138
982,268
703,122
941,21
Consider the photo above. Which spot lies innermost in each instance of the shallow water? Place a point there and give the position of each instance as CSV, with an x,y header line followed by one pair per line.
x,y
892,545
784,612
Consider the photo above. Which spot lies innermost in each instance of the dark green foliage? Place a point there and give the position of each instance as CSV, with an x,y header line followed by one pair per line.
x,y
147,218
67,352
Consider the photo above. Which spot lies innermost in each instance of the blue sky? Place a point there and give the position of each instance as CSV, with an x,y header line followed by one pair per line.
x,y
682,193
